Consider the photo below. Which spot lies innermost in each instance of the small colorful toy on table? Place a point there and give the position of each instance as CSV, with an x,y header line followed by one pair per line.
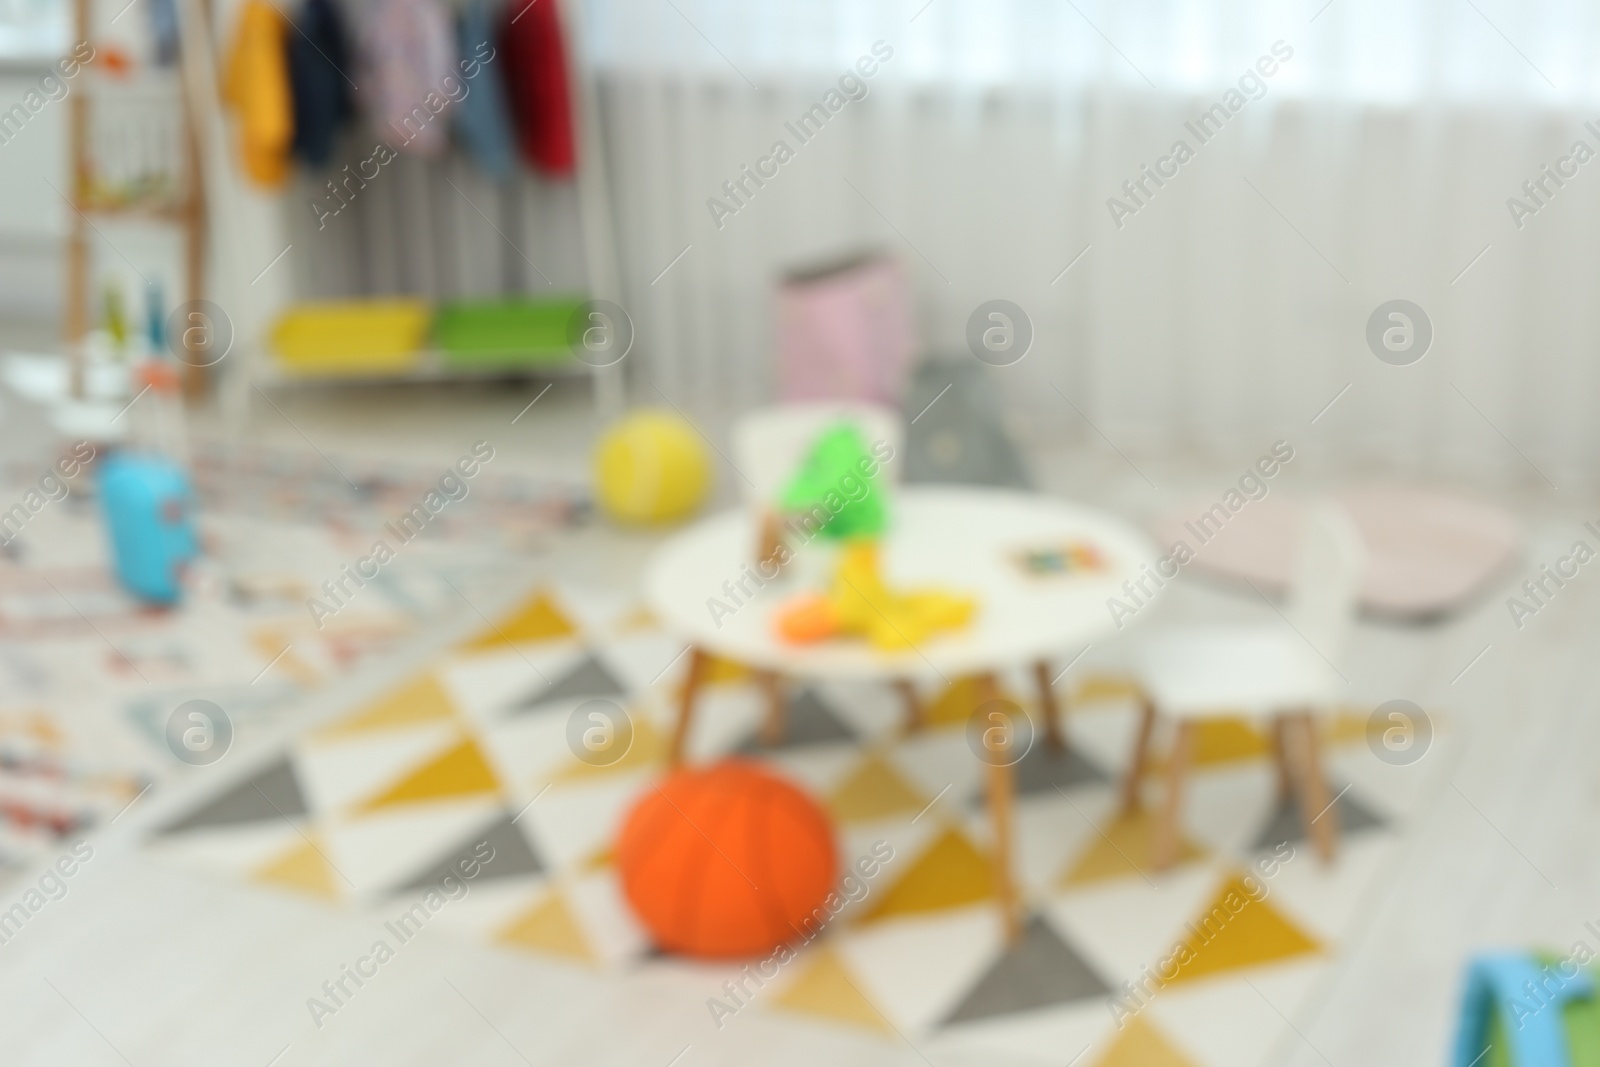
x,y
1073,557
832,481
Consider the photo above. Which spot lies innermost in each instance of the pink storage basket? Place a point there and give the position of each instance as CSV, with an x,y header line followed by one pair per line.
x,y
844,332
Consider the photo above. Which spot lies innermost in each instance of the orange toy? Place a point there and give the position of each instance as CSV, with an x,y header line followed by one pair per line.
x,y
726,861
808,618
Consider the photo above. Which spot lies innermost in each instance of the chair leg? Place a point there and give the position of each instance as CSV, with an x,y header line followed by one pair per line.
x,y
913,703
1280,757
1051,707
1317,816
1001,790
1165,849
770,549
1140,758
772,729
698,662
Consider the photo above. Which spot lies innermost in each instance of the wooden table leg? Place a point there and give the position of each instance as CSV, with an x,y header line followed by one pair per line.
x,y
772,730
908,693
1001,789
1317,816
1280,757
698,662
1165,849
1140,758
1049,706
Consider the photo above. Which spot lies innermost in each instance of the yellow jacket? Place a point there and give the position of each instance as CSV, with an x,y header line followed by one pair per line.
x,y
256,85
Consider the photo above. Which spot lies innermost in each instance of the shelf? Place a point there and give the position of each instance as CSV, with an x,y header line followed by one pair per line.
x,y
431,366
177,213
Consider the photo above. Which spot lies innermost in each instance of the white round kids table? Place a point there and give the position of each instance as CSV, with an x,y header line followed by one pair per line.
x,y
965,540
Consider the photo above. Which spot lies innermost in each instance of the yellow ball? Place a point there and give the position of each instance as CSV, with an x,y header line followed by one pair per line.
x,y
651,467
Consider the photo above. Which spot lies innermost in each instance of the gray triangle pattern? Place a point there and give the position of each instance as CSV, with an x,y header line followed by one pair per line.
x,y
1041,970
1046,769
1284,822
591,678
512,856
808,721
273,793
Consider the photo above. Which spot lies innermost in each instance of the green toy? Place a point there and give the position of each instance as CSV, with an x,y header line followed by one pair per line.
x,y
837,484
835,478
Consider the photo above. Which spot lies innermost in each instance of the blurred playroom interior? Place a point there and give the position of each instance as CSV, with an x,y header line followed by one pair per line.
x,y
928,532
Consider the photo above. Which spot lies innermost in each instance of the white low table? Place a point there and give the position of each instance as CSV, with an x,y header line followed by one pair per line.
x,y
958,538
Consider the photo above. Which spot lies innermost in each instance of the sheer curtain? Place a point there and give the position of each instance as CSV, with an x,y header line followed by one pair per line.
x,y
1219,310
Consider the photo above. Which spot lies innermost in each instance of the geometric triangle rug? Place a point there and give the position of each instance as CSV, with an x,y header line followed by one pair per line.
x,y
1040,970
509,852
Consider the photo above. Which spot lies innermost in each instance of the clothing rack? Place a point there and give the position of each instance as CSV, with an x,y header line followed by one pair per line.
x,y
256,370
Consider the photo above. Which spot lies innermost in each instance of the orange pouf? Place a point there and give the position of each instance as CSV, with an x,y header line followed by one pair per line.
x,y
726,860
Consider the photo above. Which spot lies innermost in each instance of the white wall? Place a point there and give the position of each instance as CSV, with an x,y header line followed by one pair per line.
x,y
33,219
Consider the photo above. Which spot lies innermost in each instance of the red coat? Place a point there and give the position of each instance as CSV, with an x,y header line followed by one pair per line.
x,y
535,74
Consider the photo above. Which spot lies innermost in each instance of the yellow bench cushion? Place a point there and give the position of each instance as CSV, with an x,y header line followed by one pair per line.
x,y
373,336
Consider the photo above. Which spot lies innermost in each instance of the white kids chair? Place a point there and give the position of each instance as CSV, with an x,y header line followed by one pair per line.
x,y
769,445
1282,671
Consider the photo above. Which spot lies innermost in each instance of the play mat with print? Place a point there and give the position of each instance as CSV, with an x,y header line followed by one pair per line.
x,y
370,808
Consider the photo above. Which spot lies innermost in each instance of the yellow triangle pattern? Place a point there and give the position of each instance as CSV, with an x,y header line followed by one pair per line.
x,y
302,868
1235,931
415,703
1224,740
720,671
1349,726
549,926
601,860
649,749
537,620
457,772
950,873
1141,1045
1120,849
639,619
825,988
1103,688
874,790
956,704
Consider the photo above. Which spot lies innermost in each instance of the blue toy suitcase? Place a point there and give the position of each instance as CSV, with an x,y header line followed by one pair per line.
x,y
149,511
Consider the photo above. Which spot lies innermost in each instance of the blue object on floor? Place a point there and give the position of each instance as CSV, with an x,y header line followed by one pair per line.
x,y
149,512
1537,1034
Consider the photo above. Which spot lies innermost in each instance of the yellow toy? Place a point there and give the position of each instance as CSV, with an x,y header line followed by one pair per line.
x,y
651,468
860,605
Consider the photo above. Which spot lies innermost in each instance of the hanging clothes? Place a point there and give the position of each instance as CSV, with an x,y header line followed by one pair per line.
x,y
536,78
409,55
164,30
482,119
319,59
256,85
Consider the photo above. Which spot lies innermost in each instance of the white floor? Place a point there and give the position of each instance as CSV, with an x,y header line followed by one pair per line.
x,y
138,964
